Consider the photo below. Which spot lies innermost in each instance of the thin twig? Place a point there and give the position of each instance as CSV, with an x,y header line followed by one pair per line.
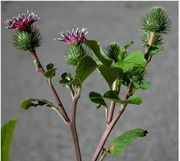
x,y
54,93
112,106
104,154
150,42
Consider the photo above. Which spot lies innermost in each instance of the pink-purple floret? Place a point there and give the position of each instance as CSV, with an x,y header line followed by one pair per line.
x,y
22,21
75,36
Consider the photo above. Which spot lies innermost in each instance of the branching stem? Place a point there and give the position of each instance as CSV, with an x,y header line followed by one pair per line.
x,y
110,127
54,93
72,126
61,110
112,105
107,133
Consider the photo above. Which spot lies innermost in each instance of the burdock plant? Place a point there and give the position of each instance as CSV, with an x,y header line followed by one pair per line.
x,y
117,66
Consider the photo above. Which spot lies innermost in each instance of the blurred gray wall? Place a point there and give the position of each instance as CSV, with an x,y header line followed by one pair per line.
x,y
40,135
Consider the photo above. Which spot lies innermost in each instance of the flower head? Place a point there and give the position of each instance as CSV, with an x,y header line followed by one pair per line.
x,y
22,21
73,36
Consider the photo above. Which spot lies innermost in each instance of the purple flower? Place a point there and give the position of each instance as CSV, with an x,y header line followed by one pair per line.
x,y
74,36
22,21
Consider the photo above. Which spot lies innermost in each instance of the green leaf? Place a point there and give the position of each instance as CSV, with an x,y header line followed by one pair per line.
x,y
85,67
64,75
65,78
6,138
49,66
33,102
112,95
26,104
98,51
120,143
109,73
51,71
134,100
155,49
97,98
145,85
75,82
136,58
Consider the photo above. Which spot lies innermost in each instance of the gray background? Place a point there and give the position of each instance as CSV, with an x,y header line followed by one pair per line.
x,y
40,135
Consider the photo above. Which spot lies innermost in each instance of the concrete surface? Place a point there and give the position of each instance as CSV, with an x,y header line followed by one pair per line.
x,y
40,135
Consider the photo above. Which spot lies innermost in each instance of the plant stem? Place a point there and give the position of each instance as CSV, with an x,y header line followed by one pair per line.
x,y
73,130
112,106
107,133
105,153
75,141
72,122
110,126
54,93
150,42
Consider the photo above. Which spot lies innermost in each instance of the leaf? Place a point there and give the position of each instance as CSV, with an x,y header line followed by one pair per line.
x,y
155,49
112,95
97,98
6,138
75,82
145,85
64,75
33,102
27,104
134,100
85,67
109,73
134,59
50,73
99,53
120,143
65,78
49,66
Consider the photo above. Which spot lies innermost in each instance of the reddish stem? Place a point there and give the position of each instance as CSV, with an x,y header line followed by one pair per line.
x,y
73,130
54,93
112,107
107,133
110,126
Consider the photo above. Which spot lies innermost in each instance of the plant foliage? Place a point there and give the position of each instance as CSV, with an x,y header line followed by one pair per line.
x,y
120,143
6,138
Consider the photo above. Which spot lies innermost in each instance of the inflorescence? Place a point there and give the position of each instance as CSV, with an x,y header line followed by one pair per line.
x,y
22,21
73,36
